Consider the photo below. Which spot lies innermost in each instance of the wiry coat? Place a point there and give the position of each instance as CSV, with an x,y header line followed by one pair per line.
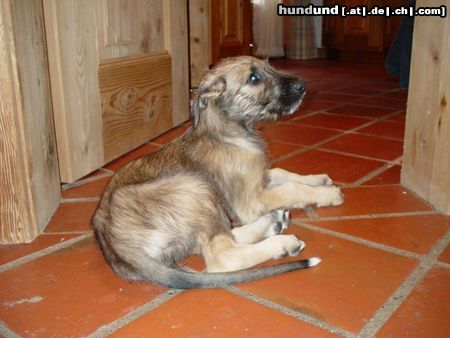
x,y
162,207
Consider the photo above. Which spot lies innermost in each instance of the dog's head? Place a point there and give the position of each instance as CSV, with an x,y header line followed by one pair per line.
x,y
247,89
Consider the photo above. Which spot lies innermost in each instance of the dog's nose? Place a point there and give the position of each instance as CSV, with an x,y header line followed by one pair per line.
x,y
299,86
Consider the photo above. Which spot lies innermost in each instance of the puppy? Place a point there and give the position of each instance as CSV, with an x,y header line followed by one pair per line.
x,y
180,200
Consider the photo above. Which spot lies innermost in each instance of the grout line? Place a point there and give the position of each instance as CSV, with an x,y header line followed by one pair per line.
x,y
43,252
303,115
84,181
309,210
6,332
293,313
109,171
155,144
373,174
106,330
385,312
359,240
442,264
309,148
368,117
387,215
80,199
398,161
67,233
302,149
380,136
317,145
338,152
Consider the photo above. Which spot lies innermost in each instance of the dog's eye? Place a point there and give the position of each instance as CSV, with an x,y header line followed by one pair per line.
x,y
253,78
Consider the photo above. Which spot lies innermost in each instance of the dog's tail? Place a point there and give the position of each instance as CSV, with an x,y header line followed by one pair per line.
x,y
139,266
178,278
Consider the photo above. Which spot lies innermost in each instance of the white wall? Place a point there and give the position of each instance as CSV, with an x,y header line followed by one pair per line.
x,y
318,23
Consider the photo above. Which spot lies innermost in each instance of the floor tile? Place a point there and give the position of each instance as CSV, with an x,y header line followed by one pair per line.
x,y
68,293
364,145
170,135
445,256
337,97
389,85
72,217
278,149
400,94
360,90
390,176
412,233
298,113
332,121
426,312
320,85
11,252
139,152
345,289
382,101
341,168
315,105
297,134
400,117
217,313
373,200
361,111
91,189
385,128
298,213
194,262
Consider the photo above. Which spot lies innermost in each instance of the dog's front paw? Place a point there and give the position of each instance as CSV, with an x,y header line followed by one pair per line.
x,y
281,219
320,180
327,196
289,245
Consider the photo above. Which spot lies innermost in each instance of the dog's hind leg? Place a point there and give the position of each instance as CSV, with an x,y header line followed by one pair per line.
x,y
278,176
222,253
271,224
295,195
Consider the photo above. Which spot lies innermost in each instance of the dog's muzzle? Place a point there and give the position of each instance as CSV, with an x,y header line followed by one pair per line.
x,y
292,94
298,87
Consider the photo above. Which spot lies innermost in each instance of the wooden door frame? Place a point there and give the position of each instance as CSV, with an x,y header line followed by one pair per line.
x,y
247,33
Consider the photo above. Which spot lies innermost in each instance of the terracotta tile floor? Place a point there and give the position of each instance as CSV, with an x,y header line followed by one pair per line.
x,y
385,268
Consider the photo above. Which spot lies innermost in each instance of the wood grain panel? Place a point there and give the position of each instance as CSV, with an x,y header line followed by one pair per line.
x,y
83,34
131,27
136,96
72,29
176,34
29,179
200,39
426,164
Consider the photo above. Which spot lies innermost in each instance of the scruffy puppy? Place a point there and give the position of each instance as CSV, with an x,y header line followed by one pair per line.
x,y
178,201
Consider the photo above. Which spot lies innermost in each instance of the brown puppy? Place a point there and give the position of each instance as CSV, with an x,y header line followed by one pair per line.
x,y
165,206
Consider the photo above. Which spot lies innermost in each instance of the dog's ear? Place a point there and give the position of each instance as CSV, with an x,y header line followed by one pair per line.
x,y
211,88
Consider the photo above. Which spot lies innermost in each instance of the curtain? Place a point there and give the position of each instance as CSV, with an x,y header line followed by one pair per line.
x,y
267,28
301,43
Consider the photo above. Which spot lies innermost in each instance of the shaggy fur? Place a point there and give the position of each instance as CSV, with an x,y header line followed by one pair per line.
x,y
180,200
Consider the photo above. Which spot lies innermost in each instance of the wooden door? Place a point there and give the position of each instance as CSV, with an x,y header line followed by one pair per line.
x,y
355,32
119,76
357,38
29,179
231,28
426,158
